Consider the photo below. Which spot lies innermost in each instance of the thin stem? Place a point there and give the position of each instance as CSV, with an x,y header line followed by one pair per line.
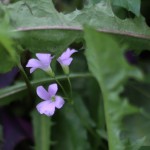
x,y
15,89
70,87
16,60
61,87
28,84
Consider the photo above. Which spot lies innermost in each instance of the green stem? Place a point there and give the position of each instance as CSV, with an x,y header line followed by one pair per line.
x,y
70,87
61,87
16,59
28,84
15,89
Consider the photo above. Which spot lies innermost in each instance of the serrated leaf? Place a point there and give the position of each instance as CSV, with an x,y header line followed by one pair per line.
x,y
55,31
42,131
130,5
107,63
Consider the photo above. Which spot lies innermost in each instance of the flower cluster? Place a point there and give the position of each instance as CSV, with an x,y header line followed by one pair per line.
x,y
43,61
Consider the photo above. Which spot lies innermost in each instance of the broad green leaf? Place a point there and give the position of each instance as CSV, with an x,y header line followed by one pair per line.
x,y
42,131
39,39
130,5
106,61
55,31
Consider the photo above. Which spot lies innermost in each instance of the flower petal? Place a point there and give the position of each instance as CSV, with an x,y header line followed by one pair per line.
x,y
33,63
42,93
66,62
44,58
59,102
52,89
46,107
67,53
72,51
32,70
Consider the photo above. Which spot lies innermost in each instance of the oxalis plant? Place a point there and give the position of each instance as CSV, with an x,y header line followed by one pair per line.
x,y
74,75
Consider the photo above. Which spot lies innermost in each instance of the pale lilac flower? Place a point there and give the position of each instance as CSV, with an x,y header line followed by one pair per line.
x,y
65,59
43,62
51,100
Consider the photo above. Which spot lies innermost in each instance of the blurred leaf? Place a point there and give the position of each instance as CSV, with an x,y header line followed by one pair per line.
x,y
87,121
48,30
83,113
107,63
42,131
137,127
70,133
5,42
12,93
6,64
130,5
7,50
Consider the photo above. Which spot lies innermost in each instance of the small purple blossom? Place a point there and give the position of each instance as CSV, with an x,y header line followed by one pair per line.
x,y
65,59
51,100
43,62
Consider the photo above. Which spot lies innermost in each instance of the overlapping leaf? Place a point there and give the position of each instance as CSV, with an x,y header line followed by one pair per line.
x,y
45,28
107,64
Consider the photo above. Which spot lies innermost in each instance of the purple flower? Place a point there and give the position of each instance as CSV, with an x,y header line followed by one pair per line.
x,y
51,100
43,62
65,59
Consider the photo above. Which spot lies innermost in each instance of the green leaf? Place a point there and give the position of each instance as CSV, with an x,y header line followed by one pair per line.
x,y
10,94
7,50
42,131
137,126
130,5
5,42
83,113
6,62
52,31
106,61
71,134
37,16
